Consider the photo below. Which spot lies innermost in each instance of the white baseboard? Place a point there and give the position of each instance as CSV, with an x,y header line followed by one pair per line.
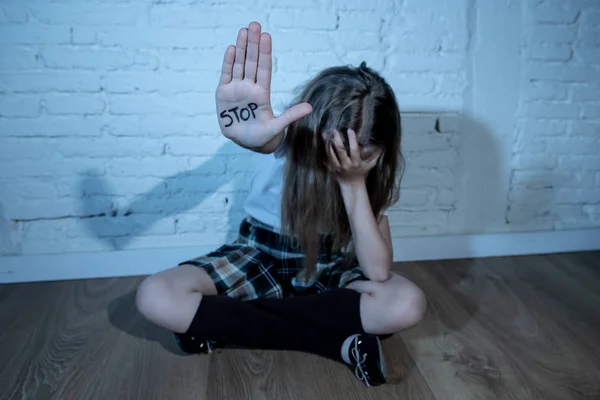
x,y
52,267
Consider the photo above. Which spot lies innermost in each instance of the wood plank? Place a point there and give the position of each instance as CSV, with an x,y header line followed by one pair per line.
x,y
251,374
84,340
458,357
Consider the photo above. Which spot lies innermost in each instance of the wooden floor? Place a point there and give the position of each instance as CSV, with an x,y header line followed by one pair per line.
x,y
499,328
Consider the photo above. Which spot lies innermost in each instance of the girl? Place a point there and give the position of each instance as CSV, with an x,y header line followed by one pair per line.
x,y
311,268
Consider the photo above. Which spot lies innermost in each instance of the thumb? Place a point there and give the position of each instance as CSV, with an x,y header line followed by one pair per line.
x,y
290,115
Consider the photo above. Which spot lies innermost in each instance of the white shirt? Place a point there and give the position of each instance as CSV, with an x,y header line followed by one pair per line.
x,y
264,199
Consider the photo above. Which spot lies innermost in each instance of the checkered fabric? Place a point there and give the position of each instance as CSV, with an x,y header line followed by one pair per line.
x,y
262,263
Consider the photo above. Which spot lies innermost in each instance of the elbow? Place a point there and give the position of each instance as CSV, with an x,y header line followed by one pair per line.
x,y
382,275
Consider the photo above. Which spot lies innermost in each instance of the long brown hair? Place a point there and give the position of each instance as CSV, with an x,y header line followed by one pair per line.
x,y
312,207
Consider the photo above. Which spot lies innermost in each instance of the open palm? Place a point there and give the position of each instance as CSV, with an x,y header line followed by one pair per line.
x,y
243,96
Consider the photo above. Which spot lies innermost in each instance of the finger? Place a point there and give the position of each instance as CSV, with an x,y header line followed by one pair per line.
x,y
252,52
264,61
335,163
372,161
227,67
240,54
290,115
341,151
354,149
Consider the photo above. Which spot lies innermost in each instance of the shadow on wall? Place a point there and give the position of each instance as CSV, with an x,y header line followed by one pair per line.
x,y
174,196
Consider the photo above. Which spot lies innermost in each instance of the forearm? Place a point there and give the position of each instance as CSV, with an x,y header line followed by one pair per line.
x,y
372,250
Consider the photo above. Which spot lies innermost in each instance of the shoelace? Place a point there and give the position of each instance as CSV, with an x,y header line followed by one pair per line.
x,y
359,369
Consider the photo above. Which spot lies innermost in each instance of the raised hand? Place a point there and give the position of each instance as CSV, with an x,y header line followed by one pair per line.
x,y
243,96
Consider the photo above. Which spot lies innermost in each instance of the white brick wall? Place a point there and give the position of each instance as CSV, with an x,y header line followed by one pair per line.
x,y
556,156
108,137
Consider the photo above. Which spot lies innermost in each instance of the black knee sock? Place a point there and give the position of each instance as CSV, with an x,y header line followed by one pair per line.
x,y
236,323
336,310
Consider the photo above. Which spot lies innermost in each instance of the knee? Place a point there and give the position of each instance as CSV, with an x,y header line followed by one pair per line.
x,y
150,297
408,307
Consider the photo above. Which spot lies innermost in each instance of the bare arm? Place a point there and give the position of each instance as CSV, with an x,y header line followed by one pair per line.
x,y
372,240
243,97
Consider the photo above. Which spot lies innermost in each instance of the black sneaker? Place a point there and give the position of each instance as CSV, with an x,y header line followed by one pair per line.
x,y
366,356
195,345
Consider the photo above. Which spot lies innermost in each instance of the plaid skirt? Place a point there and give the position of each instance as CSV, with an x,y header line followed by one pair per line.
x,y
262,263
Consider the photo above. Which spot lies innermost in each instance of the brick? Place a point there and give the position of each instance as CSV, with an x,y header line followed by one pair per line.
x,y
73,104
584,128
427,63
21,34
551,111
591,111
428,141
588,56
420,218
116,186
162,167
445,197
350,41
556,15
32,82
285,41
577,196
181,104
586,93
201,16
428,177
560,73
413,84
578,163
581,145
526,196
158,38
304,62
193,60
415,197
50,168
105,14
548,53
26,190
310,19
52,126
18,148
432,159
194,146
593,212
555,34
154,81
591,17
45,229
288,82
533,128
543,179
589,37
360,21
107,147
59,208
16,58
19,106
552,91
84,35
13,13
94,59
158,125
534,161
